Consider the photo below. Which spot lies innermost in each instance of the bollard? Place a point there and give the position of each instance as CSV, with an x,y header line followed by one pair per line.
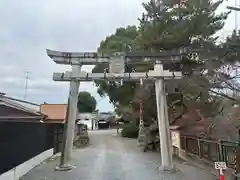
x,y
221,174
221,177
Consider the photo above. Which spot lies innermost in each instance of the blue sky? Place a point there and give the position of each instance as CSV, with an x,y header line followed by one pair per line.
x,y
29,27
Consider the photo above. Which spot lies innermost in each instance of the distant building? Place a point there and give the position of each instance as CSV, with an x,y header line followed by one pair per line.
x,y
104,120
96,120
88,119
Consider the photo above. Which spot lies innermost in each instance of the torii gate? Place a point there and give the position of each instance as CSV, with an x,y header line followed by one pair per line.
x,y
158,75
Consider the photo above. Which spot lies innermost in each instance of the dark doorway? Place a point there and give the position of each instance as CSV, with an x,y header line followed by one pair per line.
x,y
103,124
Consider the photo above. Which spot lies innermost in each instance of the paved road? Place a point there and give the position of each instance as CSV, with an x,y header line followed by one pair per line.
x,y
110,157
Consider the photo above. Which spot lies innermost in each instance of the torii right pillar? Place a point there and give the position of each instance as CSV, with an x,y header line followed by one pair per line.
x,y
163,123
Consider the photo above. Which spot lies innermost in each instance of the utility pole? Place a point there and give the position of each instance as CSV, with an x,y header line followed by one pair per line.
x,y
235,8
27,77
236,15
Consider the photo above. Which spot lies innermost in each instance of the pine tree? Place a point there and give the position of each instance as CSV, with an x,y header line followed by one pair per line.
x,y
192,23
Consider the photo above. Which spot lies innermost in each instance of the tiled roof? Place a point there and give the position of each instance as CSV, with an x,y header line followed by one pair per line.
x,y
54,112
105,116
20,104
87,116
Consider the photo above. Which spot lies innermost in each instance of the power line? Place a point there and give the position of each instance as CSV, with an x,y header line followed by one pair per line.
x,y
27,77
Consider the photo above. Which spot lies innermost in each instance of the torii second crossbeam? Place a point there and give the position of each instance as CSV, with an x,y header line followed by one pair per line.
x,y
83,76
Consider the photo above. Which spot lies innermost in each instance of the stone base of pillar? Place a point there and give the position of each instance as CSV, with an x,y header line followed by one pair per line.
x,y
65,167
171,169
82,140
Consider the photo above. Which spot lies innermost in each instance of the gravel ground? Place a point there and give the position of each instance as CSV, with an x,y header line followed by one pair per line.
x,y
110,157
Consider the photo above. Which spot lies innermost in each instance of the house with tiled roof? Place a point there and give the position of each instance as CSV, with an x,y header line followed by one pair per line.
x,y
55,113
27,129
23,132
13,109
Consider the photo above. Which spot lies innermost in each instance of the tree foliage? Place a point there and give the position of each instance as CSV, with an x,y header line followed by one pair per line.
x,y
86,102
208,75
118,42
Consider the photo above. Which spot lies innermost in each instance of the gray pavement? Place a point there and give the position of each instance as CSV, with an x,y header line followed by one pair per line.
x,y
110,157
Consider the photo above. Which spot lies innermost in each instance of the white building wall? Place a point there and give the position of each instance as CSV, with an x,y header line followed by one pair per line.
x,y
88,119
17,172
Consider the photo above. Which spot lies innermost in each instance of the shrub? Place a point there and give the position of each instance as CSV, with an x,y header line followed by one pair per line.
x,y
130,131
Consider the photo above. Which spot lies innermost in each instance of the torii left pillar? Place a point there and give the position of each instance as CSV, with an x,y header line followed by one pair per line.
x,y
71,118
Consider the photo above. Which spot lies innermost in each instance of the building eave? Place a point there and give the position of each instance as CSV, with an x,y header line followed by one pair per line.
x,y
20,104
22,119
11,104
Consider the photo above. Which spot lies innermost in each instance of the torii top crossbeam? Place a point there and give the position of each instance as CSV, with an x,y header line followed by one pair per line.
x,y
92,58
77,58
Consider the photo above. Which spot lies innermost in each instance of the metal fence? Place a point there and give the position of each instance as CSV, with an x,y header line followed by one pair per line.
x,y
211,150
